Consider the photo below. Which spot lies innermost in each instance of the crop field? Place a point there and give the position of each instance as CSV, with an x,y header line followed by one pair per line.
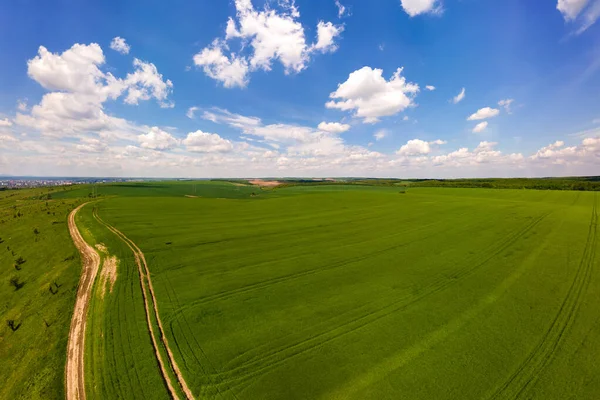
x,y
340,292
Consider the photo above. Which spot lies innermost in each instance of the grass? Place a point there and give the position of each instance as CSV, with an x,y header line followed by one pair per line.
x,y
33,356
353,292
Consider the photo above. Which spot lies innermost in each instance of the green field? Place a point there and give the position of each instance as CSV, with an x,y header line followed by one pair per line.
x,y
316,292
353,292
33,356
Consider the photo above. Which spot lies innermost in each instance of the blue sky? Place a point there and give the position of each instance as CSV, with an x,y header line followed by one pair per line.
x,y
304,88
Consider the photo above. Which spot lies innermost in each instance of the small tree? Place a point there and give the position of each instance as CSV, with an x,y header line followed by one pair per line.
x,y
16,282
36,231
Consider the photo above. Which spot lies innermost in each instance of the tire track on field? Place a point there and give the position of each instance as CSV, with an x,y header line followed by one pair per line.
x,y
266,362
75,366
526,375
140,259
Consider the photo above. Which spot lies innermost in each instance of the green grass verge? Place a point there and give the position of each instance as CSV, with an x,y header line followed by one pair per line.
x,y
33,356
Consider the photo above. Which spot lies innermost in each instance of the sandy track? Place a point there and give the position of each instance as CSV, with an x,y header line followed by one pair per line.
x,y
144,274
74,368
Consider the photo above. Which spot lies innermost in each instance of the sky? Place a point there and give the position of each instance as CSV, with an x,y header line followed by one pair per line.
x,y
304,88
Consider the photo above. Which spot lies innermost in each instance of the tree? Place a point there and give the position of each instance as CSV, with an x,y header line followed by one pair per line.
x,y
16,282
36,231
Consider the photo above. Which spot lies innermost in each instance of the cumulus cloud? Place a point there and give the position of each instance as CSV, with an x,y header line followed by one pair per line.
x,y
157,139
417,147
484,113
118,44
80,89
459,97
480,127
5,122
416,7
380,134
583,13
326,34
341,8
204,142
267,36
145,83
230,70
430,88
368,93
506,103
570,9
333,127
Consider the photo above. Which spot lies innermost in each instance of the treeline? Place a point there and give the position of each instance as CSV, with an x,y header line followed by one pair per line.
x,y
571,183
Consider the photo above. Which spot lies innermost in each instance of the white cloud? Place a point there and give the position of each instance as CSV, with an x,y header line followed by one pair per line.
x,y
587,153
571,8
417,147
326,34
589,17
430,88
459,97
118,44
90,145
146,82
271,35
480,127
80,90
203,142
333,127
506,104
341,8
584,13
5,139
367,92
22,105
484,113
75,70
5,122
438,142
231,70
380,134
405,118
484,153
416,7
157,139
191,111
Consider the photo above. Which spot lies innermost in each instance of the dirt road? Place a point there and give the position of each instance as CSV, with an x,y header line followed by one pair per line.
x,y
152,313
74,369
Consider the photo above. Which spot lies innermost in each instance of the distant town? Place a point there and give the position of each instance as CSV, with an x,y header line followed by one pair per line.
x,y
21,182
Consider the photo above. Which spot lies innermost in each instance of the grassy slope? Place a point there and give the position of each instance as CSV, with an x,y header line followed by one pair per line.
x,y
33,357
334,293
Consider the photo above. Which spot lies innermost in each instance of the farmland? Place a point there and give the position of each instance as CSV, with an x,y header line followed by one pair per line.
x,y
338,292
344,292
